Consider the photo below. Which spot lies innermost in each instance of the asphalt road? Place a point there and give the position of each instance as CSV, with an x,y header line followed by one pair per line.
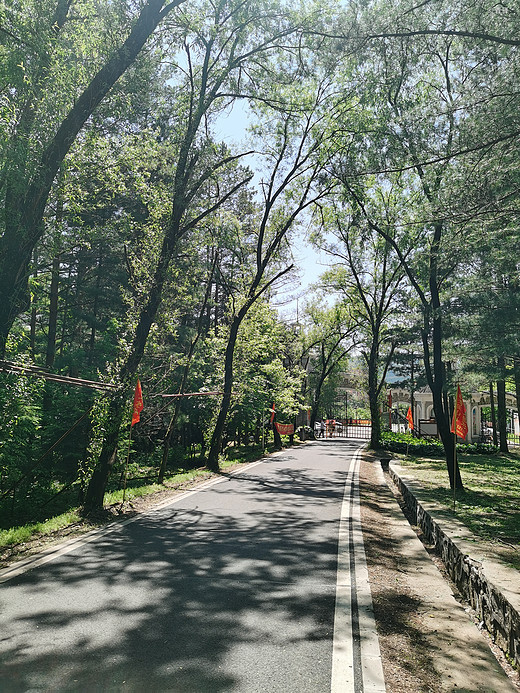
x,y
233,587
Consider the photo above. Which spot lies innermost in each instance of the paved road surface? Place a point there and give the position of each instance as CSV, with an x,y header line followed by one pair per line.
x,y
234,587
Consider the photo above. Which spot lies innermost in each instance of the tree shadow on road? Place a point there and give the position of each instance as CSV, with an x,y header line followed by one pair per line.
x,y
159,603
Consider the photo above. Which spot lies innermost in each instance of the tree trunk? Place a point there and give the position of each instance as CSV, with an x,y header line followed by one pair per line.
x,y
95,308
166,445
277,438
98,482
50,354
517,389
258,429
53,313
436,382
493,415
375,430
25,227
437,375
96,488
502,410
218,432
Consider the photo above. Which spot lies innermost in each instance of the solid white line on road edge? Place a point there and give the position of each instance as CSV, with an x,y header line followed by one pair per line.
x,y
373,679
352,587
51,554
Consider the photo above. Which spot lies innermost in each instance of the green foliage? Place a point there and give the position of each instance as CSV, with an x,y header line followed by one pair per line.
x,y
405,443
19,426
265,371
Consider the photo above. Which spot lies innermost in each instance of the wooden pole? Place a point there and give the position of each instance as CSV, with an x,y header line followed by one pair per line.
x,y
454,466
126,464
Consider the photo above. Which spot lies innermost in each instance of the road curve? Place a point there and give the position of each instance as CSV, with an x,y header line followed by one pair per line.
x,y
253,582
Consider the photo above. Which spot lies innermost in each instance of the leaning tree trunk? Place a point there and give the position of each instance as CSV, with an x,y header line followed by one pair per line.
x,y
218,432
98,481
96,488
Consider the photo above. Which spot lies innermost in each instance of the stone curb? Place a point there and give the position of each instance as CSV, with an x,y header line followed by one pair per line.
x,y
491,589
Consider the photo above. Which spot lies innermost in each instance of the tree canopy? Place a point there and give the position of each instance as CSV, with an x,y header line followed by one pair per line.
x,y
135,242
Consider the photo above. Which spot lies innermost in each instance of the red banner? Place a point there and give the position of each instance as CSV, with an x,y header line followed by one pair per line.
x,y
284,429
459,425
409,416
138,404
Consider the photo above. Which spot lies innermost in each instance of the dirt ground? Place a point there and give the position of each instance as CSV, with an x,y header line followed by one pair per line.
x,y
407,664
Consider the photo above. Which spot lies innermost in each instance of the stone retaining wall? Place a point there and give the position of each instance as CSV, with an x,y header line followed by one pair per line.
x,y
500,618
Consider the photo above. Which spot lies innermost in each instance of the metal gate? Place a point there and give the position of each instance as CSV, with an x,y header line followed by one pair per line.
x,y
345,428
358,428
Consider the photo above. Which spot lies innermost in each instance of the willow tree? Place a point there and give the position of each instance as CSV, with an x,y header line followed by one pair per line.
x,y
224,47
369,278
50,90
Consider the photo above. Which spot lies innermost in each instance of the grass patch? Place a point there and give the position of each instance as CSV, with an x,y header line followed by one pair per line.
x,y
135,489
488,505
19,535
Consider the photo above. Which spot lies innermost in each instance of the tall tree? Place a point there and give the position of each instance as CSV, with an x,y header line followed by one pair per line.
x,y
294,158
219,47
36,139
330,334
369,277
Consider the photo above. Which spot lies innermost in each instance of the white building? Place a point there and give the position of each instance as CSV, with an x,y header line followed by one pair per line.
x,y
424,415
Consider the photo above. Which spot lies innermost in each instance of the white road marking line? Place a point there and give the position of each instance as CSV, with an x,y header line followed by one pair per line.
x,y
353,593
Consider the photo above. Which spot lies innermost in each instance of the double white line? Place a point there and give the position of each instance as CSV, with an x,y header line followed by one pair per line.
x,y
356,658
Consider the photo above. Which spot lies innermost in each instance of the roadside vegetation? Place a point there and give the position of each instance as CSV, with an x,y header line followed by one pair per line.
x,y
162,164
489,503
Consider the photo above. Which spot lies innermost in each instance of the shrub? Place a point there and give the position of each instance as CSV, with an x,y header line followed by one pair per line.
x,y
404,443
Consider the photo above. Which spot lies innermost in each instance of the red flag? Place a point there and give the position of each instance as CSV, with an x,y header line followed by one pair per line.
x,y
409,417
138,404
272,413
459,424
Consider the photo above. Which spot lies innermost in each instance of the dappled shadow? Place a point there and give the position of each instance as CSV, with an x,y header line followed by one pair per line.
x,y
165,603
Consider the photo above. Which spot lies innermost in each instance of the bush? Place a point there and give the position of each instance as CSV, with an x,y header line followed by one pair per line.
x,y
477,449
404,443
